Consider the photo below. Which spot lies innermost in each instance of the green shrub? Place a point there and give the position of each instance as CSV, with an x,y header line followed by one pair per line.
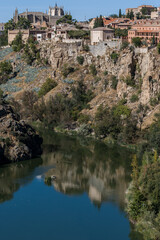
x,y
124,45
105,73
83,119
66,70
80,60
86,48
82,34
134,98
17,43
5,68
123,101
46,87
93,70
114,56
137,42
154,101
121,110
129,81
114,82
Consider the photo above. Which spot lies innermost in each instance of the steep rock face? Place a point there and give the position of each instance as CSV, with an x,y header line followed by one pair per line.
x,y
139,65
18,141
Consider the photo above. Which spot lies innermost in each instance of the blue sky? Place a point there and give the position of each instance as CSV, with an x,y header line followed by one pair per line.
x,y
79,8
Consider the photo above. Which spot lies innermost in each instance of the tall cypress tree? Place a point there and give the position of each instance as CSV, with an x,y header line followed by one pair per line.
x,y
131,15
128,14
99,22
120,13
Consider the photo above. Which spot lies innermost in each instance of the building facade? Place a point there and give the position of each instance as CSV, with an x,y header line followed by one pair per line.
x,y
145,30
101,34
139,10
37,34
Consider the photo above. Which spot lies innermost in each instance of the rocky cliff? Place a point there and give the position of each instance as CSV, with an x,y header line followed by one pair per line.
x,y
18,141
134,73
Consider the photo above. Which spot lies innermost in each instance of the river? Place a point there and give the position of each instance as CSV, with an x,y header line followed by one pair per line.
x,y
85,201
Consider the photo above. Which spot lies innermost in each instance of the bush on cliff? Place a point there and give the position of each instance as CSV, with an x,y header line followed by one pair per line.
x,y
80,60
17,43
5,70
31,53
114,82
47,86
93,70
66,70
137,41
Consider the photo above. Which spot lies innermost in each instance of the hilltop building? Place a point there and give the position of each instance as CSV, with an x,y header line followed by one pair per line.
x,y
50,18
148,9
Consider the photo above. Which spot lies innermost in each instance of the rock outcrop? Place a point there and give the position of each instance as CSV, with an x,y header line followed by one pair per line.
x,y
18,140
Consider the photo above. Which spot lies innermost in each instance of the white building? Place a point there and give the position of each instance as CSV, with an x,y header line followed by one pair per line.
x,y
155,15
101,34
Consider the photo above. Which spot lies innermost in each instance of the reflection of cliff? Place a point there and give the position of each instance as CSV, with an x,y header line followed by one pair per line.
x,y
15,175
92,167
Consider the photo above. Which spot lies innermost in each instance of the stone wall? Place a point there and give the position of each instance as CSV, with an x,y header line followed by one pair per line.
x,y
100,49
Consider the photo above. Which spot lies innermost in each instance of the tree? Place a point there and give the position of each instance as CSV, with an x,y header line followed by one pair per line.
x,y
120,13
93,70
128,14
99,22
23,23
4,39
153,40
80,60
5,68
17,43
47,86
158,48
131,15
121,32
144,11
114,15
10,25
137,42
66,19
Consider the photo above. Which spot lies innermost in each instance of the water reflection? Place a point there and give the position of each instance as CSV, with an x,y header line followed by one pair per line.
x,y
80,166
13,176
88,166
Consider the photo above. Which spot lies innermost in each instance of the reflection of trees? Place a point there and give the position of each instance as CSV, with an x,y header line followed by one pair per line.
x,y
92,167
15,175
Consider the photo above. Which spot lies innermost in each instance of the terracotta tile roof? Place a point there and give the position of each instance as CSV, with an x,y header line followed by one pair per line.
x,y
149,6
102,29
